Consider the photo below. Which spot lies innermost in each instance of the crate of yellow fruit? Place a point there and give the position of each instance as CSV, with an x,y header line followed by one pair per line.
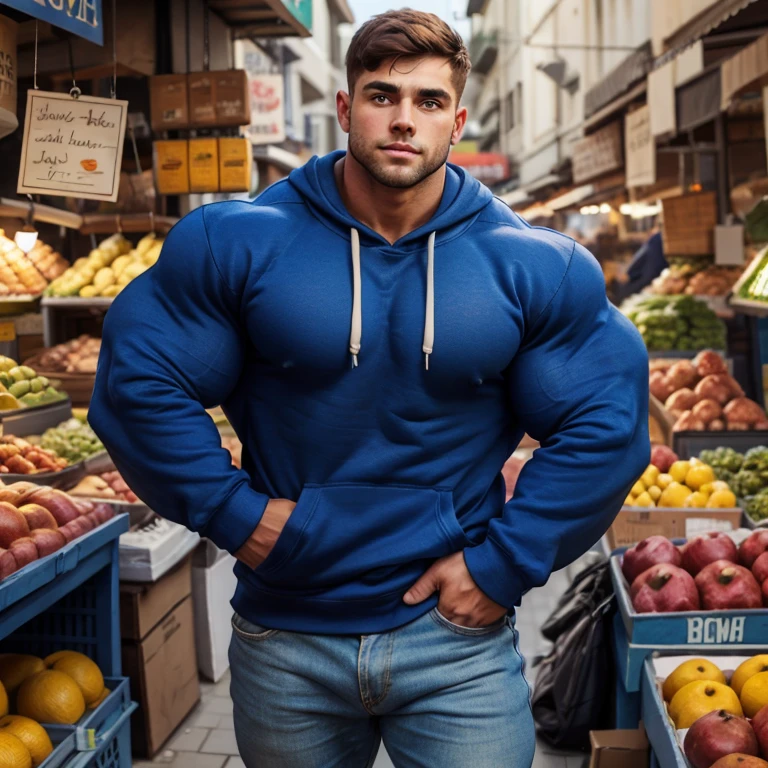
x,y
675,504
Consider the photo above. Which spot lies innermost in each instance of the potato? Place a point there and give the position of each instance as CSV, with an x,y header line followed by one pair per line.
x,y
681,375
708,363
743,410
718,425
660,387
682,400
707,410
714,387
688,423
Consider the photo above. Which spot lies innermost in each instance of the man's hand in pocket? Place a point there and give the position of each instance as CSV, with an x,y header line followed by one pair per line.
x,y
262,540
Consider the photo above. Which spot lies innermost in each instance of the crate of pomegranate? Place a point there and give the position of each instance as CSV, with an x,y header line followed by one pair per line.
x,y
708,710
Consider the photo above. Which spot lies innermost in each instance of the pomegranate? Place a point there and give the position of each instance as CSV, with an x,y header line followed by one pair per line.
x,y
702,550
760,727
651,551
47,540
663,457
724,585
13,524
664,588
752,547
38,517
716,735
760,568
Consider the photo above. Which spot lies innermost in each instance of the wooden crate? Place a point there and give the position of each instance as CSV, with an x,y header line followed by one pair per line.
x,y
689,224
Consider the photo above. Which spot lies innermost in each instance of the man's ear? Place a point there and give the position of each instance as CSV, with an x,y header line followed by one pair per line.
x,y
343,109
458,125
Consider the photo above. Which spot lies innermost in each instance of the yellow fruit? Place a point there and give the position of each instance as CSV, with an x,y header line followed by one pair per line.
x,y
8,402
754,694
698,476
696,499
674,495
688,672
650,475
84,672
644,500
747,669
629,501
696,462
722,500
638,488
49,661
51,697
699,698
31,734
720,485
679,471
101,698
664,481
707,488
654,492
15,668
13,753
4,707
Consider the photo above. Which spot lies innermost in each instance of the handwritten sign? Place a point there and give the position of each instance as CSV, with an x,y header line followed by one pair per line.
x,y
640,148
72,147
81,17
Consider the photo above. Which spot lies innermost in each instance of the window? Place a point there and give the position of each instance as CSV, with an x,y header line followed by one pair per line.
x,y
509,110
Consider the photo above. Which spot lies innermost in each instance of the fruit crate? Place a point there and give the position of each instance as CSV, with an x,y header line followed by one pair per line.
x,y
665,740
64,747
690,444
34,421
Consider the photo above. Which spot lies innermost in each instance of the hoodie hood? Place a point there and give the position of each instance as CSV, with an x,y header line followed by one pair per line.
x,y
463,198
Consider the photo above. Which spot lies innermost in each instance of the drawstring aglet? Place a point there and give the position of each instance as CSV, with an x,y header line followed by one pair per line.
x,y
354,361
426,361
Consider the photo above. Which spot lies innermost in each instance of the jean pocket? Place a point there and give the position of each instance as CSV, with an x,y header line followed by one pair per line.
x,y
348,532
458,629
249,631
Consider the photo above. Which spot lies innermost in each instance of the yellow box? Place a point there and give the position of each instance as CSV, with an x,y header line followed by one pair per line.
x,y
235,164
203,165
171,160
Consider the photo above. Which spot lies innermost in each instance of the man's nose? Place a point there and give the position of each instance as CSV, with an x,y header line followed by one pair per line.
x,y
403,121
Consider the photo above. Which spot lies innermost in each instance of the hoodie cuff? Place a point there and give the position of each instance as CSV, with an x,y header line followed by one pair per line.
x,y
494,573
236,519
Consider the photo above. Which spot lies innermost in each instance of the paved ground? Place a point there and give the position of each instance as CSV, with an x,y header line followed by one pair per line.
x,y
207,738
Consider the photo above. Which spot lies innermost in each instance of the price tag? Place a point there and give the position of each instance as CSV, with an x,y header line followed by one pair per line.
x,y
7,332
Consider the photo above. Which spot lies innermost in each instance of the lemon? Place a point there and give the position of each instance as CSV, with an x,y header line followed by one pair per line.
x,y
674,495
644,500
664,481
699,698
84,672
696,499
51,697
754,694
695,462
747,669
707,488
31,734
654,492
720,485
679,470
698,476
722,500
650,475
13,753
638,488
629,501
688,672
15,668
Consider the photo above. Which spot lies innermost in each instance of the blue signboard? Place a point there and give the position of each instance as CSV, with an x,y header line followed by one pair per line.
x,y
301,10
81,17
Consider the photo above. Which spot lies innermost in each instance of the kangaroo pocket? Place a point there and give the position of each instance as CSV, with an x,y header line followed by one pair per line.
x,y
372,536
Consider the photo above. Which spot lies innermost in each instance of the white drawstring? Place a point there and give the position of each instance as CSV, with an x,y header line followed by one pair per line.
x,y
356,332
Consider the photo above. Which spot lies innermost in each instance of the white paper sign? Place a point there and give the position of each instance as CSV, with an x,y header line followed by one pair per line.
x,y
72,147
640,148
267,109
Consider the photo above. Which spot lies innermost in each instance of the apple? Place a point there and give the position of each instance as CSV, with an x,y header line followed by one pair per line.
x,y
13,524
38,517
716,735
77,527
664,588
752,547
24,550
702,550
67,532
7,563
662,457
47,540
651,551
739,760
760,727
105,511
760,568
723,585
57,503
88,522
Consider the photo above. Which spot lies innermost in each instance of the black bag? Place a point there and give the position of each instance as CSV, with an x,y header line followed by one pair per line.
x,y
574,688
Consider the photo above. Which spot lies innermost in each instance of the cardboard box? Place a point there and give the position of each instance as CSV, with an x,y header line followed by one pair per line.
x,y
163,673
171,160
619,749
235,163
203,165
213,585
168,102
202,109
142,606
231,97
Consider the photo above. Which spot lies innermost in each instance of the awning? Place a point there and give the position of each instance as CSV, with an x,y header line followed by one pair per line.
x,y
747,69
632,70
616,105
698,102
282,158
265,18
515,197
570,198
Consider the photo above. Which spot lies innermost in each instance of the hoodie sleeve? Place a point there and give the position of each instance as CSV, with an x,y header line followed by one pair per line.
x,y
171,348
578,385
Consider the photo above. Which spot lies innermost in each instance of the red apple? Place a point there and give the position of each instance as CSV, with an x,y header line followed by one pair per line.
x,y
664,588
7,563
760,727
723,585
716,735
760,568
24,550
13,524
47,540
739,760
57,503
105,511
651,551
702,550
662,457
752,547
38,517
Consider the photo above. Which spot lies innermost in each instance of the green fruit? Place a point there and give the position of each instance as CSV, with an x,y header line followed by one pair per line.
x,y
17,374
31,399
5,379
44,381
19,389
28,372
36,385
6,363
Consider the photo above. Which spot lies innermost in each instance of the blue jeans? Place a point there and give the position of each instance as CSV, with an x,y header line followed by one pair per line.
x,y
438,694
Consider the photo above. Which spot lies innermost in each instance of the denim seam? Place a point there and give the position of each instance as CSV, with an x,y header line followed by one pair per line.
x,y
387,675
363,697
251,636
441,621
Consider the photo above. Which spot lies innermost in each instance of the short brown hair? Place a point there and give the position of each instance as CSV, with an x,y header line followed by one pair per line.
x,y
398,34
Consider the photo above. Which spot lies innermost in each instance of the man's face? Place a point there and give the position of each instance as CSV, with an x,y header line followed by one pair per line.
x,y
402,121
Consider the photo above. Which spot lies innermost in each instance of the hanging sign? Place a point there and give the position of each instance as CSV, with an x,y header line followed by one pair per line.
x,y
72,147
81,17
267,109
597,154
640,148
8,121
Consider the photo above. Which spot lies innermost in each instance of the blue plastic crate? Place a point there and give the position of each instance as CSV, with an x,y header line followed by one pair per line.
x,y
114,747
64,747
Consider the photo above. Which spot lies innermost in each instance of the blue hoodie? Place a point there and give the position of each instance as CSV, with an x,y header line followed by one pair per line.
x,y
395,461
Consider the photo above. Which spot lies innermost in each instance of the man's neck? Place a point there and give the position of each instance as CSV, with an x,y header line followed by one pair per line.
x,y
390,212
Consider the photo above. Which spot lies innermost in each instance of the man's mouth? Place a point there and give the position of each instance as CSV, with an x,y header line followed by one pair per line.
x,y
400,150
